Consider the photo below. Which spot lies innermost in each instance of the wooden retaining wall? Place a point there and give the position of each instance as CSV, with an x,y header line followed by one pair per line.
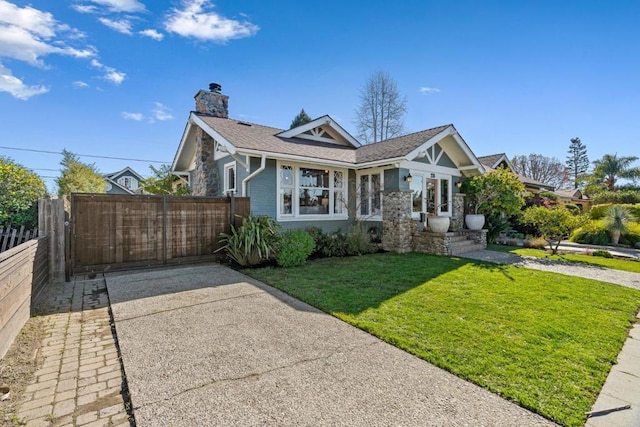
x,y
24,273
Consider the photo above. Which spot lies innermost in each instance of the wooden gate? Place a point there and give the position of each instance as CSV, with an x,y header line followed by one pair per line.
x,y
116,232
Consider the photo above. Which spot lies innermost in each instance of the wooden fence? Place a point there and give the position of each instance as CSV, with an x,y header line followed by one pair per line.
x,y
24,273
114,231
10,238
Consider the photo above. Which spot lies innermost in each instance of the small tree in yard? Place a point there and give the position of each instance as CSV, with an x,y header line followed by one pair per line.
x,y
163,181
616,221
497,194
78,177
20,190
555,224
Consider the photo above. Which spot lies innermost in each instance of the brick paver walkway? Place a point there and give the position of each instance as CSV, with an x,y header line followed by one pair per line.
x,y
80,381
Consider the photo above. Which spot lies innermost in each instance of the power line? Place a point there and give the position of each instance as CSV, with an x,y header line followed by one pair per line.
x,y
83,155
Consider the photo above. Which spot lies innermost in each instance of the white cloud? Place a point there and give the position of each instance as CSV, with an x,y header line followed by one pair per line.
x,y
132,116
426,90
80,84
110,73
16,87
84,8
121,5
196,20
157,36
38,22
161,112
122,26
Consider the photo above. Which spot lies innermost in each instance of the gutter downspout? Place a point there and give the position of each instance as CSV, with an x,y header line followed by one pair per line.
x,y
263,164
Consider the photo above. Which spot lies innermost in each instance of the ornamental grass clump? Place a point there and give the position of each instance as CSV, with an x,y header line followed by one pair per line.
x,y
252,243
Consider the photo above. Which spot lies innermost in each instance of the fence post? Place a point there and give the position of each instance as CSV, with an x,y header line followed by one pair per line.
x,y
232,209
51,222
164,229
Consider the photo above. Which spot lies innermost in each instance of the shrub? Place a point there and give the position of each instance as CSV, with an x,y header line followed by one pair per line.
x,y
359,241
253,242
619,197
536,243
601,253
574,209
495,224
600,211
591,233
295,248
632,236
332,244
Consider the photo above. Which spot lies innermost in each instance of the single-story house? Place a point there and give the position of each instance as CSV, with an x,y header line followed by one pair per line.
x,y
495,161
318,174
125,181
574,196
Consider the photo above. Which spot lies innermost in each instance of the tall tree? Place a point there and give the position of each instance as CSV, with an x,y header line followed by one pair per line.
x,y
163,181
547,170
380,114
610,168
300,119
78,177
577,161
20,190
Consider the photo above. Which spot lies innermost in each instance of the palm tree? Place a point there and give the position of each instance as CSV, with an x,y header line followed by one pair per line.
x,y
611,167
616,222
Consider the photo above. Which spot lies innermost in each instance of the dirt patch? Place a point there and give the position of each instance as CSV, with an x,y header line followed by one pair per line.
x,y
18,366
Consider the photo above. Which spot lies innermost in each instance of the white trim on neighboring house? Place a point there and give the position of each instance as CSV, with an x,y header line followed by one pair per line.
x,y
370,205
299,132
231,166
132,184
295,188
114,183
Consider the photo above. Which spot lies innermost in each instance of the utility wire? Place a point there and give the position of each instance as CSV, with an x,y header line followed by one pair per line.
x,y
83,155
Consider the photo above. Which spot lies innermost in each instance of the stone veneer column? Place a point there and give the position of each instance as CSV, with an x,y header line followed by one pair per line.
x,y
205,180
457,213
397,225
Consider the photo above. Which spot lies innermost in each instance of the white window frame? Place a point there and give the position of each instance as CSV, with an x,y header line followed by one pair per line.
x,y
359,175
133,183
295,193
227,187
439,178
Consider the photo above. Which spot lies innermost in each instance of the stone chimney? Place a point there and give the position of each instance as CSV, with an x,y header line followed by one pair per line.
x,y
212,102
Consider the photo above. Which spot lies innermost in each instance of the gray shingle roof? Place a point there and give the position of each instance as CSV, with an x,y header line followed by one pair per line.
x,y
491,159
251,136
396,147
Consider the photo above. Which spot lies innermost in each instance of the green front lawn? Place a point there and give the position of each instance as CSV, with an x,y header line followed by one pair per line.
x,y
614,263
540,339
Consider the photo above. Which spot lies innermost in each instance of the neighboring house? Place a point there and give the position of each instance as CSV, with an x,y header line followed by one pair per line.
x,y
317,173
574,196
125,181
494,161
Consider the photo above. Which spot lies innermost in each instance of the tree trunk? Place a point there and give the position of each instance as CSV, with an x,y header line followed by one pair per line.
x,y
615,237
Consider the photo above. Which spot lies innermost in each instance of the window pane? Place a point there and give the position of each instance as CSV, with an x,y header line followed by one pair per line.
x,y
338,202
364,195
285,201
431,196
416,193
337,180
313,178
444,195
376,195
314,202
286,175
231,178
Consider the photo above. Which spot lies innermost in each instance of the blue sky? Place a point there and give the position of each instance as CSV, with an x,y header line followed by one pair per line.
x,y
116,78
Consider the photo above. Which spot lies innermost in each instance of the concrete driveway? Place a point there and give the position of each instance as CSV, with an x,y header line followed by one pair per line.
x,y
206,345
